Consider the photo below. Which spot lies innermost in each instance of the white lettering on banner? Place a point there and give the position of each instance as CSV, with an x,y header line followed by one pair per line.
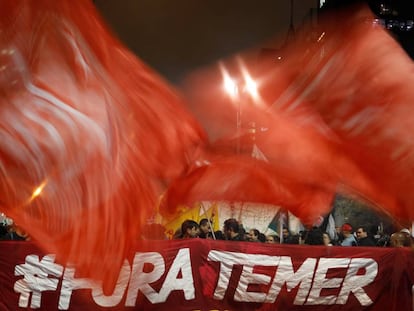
x,y
320,281
36,279
228,260
312,281
181,263
286,275
113,300
140,280
355,282
70,283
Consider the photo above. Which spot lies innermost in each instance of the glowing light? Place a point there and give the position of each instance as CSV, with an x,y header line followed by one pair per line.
x,y
230,86
38,191
241,87
251,86
321,36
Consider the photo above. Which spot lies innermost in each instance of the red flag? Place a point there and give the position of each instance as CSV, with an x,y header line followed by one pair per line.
x,y
340,112
89,135
243,179
357,80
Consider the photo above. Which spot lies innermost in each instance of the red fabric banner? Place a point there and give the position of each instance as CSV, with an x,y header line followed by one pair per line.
x,y
215,275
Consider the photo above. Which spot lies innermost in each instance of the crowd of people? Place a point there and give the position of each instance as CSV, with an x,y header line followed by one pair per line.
x,y
343,236
10,231
233,230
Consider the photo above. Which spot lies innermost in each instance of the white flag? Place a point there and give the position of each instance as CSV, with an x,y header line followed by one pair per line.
x,y
330,227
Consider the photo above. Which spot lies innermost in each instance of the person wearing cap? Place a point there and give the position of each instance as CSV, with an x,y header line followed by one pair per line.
x,y
349,239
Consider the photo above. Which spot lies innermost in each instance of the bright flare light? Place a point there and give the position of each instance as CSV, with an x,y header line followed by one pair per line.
x,y
230,86
251,86
38,191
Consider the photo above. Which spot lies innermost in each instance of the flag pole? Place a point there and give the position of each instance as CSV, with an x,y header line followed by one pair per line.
x,y
209,220
281,225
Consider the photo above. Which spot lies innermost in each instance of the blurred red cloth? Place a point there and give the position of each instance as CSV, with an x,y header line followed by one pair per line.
x,y
90,136
88,125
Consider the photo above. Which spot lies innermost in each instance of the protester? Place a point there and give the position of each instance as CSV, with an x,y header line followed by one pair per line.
x,y
253,235
262,237
219,235
338,237
400,239
15,233
349,239
189,229
231,230
327,239
364,239
273,239
288,238
408,233
205,229
314,237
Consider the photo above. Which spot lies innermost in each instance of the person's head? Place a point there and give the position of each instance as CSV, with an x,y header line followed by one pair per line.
x,y
314,237
346,229
253,235
219,235
285,232
361,233
205,226
231,228
272,239
189,229
262,237
326,239
400,239
18,230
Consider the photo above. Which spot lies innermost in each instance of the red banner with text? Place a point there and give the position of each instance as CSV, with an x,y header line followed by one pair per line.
x,y
215,275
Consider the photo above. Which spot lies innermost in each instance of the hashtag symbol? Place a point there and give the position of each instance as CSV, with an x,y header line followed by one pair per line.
x,y
38,276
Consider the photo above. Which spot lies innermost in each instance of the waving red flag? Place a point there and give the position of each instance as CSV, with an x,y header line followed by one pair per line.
x,y
358,81
335,110
89,136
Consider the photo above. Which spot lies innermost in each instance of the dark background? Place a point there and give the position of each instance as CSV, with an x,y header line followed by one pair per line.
x,y
176,36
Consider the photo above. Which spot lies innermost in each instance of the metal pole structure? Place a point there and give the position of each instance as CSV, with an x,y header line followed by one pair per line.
x,y
238,125
209,220
281,225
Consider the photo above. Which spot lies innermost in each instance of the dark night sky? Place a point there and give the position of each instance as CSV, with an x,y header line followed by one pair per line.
x,y
177,36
